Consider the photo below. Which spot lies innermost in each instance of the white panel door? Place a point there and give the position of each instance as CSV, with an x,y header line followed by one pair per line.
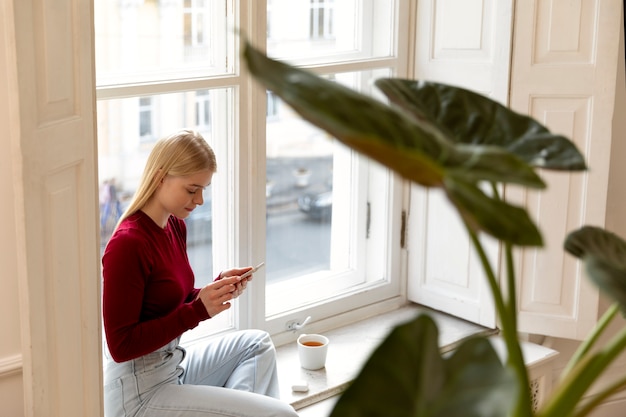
x,y
53,128
464,43
563,74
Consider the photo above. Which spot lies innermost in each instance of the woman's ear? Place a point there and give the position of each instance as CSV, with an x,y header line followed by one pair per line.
x,y
159,177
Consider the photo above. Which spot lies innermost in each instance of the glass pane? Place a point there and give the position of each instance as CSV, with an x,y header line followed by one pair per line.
x,y
200,240
123,148
329,30
299,209
141,41
310,177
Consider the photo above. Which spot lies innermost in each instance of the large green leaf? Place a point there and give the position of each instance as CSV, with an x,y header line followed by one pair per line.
x,y
474,119
408,371
604,255
382,132
477,384
419,150
498,218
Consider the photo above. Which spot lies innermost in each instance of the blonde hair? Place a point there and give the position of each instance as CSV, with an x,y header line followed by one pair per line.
x,y
181,154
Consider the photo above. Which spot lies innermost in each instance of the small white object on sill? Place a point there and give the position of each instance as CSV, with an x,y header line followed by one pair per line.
x,y
300,386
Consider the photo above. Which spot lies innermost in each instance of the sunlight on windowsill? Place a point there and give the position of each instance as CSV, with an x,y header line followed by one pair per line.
x,y
349,348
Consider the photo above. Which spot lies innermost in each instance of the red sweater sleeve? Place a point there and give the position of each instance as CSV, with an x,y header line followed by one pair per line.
x,y
148,294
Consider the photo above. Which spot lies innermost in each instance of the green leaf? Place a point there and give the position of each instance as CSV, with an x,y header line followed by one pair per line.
x,y
604,256
364,124
474,119
417,150
477,383
409,373
498,218
489,163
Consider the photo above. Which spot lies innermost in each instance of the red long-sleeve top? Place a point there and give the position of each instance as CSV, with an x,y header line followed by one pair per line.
x,y
149,297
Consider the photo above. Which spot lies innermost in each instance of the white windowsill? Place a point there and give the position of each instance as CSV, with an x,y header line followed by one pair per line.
x,y
351,346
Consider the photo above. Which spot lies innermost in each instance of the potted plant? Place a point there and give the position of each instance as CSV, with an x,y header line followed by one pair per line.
x,y
442,136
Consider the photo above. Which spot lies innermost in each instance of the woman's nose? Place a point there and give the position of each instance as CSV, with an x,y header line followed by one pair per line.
x,y
198,198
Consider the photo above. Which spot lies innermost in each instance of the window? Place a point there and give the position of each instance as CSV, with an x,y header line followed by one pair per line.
x,y
319,221
322,21
272,105
144,42
324,223
196,28
330,242
145,118
203,110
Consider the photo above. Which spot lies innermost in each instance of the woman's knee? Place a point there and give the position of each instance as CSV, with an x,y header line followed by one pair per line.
x,y
261,339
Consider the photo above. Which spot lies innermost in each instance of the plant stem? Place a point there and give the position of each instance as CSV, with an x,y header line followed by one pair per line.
x,y
597,399
508,318
588,343
509,331
582,376
510,273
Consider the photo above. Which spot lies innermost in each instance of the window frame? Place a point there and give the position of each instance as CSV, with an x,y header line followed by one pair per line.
x,y
246,221
369,301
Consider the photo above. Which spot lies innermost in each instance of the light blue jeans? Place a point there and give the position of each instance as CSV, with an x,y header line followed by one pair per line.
x,y
231,376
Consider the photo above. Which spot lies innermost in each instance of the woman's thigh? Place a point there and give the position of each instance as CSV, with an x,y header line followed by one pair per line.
x,y
229,357
207,401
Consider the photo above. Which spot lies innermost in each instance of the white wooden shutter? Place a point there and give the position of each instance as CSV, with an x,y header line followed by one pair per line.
x,y
563,74
52,130
464,43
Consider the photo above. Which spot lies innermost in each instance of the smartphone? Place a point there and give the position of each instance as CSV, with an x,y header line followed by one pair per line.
x,y
253,270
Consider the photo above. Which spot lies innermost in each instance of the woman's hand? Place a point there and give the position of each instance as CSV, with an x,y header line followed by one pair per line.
x,y
229,285
237,272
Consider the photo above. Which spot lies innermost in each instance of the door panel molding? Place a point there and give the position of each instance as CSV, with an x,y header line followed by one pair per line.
x,y
564,69
57,208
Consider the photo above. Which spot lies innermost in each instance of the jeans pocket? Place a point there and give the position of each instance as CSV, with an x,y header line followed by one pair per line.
x,y
114,399
121,398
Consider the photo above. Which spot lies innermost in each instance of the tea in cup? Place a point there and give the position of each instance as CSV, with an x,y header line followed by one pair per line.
x,y
312,350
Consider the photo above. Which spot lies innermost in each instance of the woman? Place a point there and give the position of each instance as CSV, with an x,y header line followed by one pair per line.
x,y
149,300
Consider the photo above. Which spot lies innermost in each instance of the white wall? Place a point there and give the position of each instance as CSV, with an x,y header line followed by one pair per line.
x,y
616,218
11,393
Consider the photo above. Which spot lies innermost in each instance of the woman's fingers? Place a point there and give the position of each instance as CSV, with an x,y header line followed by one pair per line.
x,y
216,295
226,285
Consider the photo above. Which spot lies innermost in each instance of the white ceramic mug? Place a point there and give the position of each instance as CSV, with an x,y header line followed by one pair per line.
x,y
312,350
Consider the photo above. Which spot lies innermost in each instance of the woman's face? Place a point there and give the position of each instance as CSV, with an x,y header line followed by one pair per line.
x,y
180,195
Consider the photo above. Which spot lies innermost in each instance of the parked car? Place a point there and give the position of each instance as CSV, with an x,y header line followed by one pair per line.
x,y
317,206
